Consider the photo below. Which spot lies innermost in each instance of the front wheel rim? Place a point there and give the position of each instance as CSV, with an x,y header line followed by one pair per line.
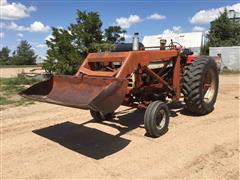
x,y
161,119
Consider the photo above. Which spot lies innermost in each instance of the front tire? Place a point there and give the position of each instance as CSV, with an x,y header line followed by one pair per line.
x,y
99,117
156,119
200,85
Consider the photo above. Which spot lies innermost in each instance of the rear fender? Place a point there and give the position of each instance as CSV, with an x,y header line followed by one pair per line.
x,y
191,58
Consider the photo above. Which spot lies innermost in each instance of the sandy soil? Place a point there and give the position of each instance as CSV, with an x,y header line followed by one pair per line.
x,y
13,72
49,141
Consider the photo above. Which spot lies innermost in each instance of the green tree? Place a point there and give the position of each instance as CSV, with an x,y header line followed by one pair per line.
x,y
68,48
4,55
24,55
114,34
87,31
224,31
205,49
63,55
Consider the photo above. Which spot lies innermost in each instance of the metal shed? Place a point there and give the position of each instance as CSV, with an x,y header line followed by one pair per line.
x,y
193,40
230,56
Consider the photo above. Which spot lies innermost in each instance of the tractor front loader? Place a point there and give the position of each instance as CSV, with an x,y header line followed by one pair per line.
x,y
139,78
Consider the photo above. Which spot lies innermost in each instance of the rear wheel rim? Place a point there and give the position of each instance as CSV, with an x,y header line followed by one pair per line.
x,y
161,119
209,86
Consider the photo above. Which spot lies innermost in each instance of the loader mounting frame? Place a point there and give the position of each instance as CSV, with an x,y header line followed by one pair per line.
x,y
137,62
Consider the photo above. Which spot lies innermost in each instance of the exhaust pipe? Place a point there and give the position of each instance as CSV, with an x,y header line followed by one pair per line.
x,y
135,42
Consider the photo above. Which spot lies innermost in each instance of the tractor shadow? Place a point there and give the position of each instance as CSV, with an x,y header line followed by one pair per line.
x,y
179,107
176,108
125,121
97,144
92,142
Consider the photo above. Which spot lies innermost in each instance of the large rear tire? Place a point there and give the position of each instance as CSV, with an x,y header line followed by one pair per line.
x,y
156,119
200,85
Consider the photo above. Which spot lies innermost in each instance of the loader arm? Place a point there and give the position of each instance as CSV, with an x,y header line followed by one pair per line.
x,y
130,61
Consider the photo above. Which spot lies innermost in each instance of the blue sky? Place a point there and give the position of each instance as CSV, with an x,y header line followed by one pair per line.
x,y
32,20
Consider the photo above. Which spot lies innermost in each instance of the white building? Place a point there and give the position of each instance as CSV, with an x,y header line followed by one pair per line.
x,y
193,40
233,15
230,56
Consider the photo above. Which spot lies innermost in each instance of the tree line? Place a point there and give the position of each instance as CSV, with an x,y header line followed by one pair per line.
x,y
23,55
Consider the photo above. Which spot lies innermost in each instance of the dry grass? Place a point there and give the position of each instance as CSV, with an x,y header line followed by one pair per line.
x,y
9,89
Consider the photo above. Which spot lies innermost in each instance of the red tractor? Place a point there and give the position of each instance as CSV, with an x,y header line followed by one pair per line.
x,y
136,77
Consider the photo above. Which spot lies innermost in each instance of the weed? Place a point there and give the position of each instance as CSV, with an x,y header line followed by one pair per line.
x,y
10,87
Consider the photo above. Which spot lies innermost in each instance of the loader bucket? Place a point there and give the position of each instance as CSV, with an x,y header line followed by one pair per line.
x,y
104,94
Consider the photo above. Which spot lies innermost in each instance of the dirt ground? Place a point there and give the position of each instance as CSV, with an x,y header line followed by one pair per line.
x,y
12,72
48,141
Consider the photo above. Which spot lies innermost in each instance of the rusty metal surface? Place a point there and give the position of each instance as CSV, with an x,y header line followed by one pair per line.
x,y
177,77
151,73
101,94
130,61
105,91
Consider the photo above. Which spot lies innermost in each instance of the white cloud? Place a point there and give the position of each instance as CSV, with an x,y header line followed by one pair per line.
x,y
156,16
36,26
128,22
177,29
1,34
174,30
70,32
15,11
206,32
206,16
48,37
126,36
41,45
20,35
198,29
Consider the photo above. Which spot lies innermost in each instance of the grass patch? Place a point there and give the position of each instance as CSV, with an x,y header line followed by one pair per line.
x,y
18,66
4,101
228,72
19,80
10,87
